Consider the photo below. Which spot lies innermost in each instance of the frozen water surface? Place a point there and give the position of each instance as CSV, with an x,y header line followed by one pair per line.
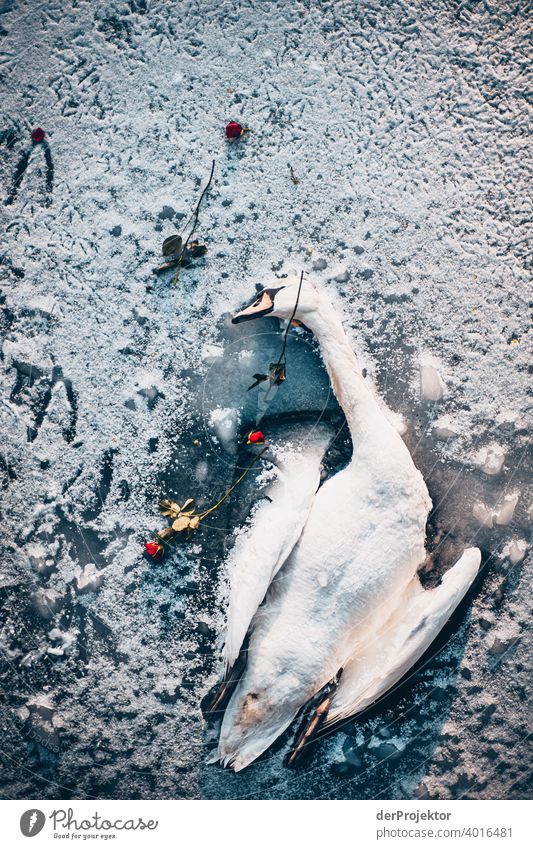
x,y
387,159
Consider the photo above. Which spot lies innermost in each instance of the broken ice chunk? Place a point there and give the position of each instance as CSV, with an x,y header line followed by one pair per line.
x,y
342,276
41,705
483,514
39,556
66,640
151,393
43,721
499,515
201,471
490,459
212,352
503,643
432,386
150,386
46,602
505,512
515,550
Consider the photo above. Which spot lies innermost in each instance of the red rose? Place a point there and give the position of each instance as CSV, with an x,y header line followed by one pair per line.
x,y
255,437
154,549
37,135
235,130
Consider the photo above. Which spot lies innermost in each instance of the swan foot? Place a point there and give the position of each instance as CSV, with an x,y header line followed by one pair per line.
x,y
312,729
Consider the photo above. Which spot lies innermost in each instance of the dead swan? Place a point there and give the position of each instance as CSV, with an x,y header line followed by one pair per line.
x,y
348,597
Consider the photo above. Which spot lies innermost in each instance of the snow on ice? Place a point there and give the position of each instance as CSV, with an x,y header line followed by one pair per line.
x,y
404,129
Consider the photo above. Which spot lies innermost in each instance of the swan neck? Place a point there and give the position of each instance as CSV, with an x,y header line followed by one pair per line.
x,y
342,365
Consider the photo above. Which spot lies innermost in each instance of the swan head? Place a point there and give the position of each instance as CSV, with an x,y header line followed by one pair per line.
x,y
258,712
279,300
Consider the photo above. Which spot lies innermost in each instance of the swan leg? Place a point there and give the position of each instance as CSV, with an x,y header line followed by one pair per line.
x,y
382,658
318,718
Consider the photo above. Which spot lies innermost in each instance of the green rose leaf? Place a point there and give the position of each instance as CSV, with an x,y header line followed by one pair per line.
x,y
172,245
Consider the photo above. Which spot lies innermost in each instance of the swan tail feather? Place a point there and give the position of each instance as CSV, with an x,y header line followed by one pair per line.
x,y
383,658
215,703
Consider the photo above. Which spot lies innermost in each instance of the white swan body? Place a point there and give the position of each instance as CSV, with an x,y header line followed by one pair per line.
x,y
350,576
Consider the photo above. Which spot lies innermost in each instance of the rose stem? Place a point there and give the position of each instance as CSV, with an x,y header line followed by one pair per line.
x,y
232,487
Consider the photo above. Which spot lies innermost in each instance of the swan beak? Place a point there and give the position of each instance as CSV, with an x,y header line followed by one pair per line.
x,y
261,305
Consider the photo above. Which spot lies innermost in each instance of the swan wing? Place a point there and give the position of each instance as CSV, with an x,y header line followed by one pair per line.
x,y
352,561
382,658
264,544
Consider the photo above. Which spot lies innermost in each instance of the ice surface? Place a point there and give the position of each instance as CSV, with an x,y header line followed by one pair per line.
x,y
406,127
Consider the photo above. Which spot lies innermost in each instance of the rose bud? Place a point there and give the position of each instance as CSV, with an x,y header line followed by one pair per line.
x,y
154,550
255,437
37,135
235,130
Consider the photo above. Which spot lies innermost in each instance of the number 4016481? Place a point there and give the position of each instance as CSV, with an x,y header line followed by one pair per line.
x,y
472,831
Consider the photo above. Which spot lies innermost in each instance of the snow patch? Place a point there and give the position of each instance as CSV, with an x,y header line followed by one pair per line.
x,y
225,421
445,428
89,579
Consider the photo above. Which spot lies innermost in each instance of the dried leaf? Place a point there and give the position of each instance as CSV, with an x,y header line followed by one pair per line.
x,y
172,263
169,508
181,523
172,245
196,249
194,523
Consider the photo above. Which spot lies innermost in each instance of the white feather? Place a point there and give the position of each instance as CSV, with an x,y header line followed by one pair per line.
x,y
383,655
263,546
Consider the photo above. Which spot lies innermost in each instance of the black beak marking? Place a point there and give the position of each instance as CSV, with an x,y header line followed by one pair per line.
x,y
267,295
238,319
